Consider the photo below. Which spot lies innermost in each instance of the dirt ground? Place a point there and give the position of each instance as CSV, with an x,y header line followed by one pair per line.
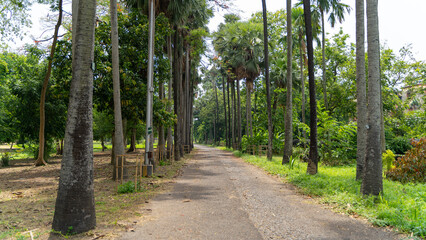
x,y
28,194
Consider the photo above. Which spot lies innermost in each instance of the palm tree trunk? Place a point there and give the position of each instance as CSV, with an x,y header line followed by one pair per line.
x,y
302,79
249,127
239,116
361,90
372,182
288,122
230,129
234,114
176,92
118,121
76,184
313,150
40,159
169,107
268,92
224,109
324,80
216,114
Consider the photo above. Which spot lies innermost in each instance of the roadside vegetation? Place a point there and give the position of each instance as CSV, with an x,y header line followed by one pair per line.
x,y
401,206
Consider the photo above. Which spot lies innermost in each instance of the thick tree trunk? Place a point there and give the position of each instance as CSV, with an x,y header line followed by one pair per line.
x,y
313,150
267,80
372,182
249,124
288,121
75,202
361,90
132,147
118,121
176,92
40,159
302,80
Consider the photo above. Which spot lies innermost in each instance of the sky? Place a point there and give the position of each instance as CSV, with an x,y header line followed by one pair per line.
x,y
400,22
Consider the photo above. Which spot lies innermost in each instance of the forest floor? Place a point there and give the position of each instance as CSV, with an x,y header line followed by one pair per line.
x,y
220,196
28,194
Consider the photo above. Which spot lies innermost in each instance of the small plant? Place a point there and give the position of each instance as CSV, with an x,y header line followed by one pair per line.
x,y
388,158
400,145
128,187
412,166
5,158
292,160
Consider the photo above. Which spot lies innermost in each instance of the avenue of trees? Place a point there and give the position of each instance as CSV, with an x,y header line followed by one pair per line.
x,y
93,82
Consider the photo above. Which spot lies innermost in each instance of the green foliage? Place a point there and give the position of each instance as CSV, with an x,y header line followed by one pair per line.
x,y
5,158
128,187
48,149
401,206
337,141
400,145
388,158
412,166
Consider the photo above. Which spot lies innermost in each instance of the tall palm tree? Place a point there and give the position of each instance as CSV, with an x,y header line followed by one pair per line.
x,y
75,203
313,150
372,182
361,90
268,93
288,121
119,147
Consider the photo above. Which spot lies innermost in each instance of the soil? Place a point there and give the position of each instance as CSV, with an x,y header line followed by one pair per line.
x,y
28,194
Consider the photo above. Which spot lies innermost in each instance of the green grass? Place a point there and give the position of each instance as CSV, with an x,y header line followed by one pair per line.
x,y
402,205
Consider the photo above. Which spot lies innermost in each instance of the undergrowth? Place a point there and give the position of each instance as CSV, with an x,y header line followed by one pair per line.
x,y
402,205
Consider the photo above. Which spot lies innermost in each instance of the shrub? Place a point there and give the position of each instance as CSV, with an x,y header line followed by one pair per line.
x,y
412,166
388,158
400,145
5,158
128,187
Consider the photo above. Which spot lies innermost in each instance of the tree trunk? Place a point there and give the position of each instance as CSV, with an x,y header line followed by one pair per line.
x,y
238,116
229,118
288,121
224,109
302,79
234,114
361,90
249,127
324,80
169,107
372,182
216,112
161,140
103,144
132,147
75,202
40,159
268,91
313,150
176,92
118,121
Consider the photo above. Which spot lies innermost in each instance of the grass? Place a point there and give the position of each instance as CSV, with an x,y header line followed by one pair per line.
x,y
402,206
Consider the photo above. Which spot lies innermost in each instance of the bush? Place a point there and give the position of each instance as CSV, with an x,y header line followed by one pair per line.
x,y
400,145
412,166
48,149
388,158
5,158
128,187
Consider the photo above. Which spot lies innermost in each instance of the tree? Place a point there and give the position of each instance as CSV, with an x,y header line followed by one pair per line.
x,y
75,203
288,142
361,90
118,120
313,150
268,94
14,15
40,159
372,182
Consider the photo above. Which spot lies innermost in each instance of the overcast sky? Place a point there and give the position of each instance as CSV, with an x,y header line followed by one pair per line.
x,y
401,22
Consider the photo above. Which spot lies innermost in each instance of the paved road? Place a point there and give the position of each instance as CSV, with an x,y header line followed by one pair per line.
x,y
221,197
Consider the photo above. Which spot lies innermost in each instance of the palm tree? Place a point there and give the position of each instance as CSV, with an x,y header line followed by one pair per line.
x,y
313,151
40,159
372,183
75,203
337,10
119,147
288,142
268,94
361,90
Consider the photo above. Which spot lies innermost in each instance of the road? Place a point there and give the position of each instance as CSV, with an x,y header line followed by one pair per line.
x,y
220,196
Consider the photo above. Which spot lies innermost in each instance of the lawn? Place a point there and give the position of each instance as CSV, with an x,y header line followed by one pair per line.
x,y
402,206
